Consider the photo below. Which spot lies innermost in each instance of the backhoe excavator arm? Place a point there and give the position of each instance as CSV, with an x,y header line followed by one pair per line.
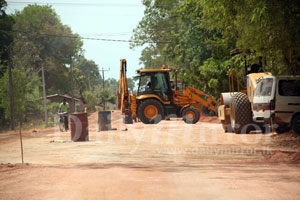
x,y
192,97
207,103
126,103
123,94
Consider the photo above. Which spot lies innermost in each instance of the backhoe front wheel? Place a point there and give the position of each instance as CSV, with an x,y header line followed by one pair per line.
x,y
190,115
150,111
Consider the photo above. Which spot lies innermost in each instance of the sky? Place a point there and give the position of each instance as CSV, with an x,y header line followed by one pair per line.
x,y
103,19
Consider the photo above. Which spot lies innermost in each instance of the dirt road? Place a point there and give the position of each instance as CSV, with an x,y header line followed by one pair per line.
x,y
171,160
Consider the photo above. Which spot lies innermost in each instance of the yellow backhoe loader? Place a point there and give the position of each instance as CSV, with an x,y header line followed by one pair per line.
x,y
155,100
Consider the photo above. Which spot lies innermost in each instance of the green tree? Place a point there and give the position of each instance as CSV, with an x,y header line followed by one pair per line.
x,y
51,43
151,57
19,92
86,75
112,86
32,100
103,96
91,100
180,39
196,38
130,84
265,28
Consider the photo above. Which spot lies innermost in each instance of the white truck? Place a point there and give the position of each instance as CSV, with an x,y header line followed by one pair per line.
x,y
276,101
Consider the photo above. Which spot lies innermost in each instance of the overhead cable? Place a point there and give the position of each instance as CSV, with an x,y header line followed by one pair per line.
x,y
74,37
74,4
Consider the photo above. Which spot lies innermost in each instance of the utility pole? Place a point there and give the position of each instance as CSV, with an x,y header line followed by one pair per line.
x,y
44,96
103,82
72,86
11,96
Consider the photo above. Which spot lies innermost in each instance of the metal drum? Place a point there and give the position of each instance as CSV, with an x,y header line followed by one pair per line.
x,y
79,127
104,120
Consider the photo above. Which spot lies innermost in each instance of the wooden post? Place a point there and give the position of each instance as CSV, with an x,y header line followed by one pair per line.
x,y
21,141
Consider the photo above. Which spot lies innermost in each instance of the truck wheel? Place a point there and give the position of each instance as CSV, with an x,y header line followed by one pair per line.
x,y
296,124
190,115
281,129
150,111
264,129
240,113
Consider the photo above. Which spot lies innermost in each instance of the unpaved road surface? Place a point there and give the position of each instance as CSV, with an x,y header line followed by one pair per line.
x,y
170,160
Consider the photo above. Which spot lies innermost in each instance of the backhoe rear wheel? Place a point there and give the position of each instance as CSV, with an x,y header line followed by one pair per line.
x,y
150,111
190,115
240,113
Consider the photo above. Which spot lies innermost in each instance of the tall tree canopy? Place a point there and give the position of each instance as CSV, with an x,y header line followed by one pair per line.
x,y
197,36
268,28
51,43
179,39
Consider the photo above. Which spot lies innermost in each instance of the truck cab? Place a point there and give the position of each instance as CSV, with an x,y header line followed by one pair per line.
x,y
277,101
264,99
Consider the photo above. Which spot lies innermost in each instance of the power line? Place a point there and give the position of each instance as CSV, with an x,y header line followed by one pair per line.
x,y
75,37
106,34
9,9
75,4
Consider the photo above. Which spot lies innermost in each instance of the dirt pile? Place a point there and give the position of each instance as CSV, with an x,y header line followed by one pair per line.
x,y
5,166
209,119
289,139
280,156
296,156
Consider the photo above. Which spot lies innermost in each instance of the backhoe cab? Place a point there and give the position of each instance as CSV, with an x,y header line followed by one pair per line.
x,y
156,82
155,100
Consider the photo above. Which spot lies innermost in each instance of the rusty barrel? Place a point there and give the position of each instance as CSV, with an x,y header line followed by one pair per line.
x,y
104,120
79,127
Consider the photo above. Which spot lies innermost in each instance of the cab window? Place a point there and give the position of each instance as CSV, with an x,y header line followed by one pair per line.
x,y
289,88
160,84
145,84
264,87
155,83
